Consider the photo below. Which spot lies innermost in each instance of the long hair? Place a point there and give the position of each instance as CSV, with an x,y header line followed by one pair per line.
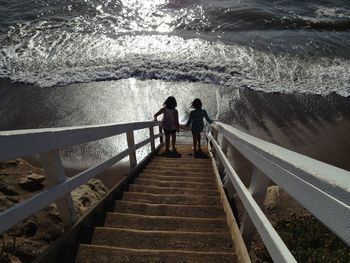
x,y
196,104
170,103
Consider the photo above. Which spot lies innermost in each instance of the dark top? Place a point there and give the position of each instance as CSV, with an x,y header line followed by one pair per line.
x,y
196,120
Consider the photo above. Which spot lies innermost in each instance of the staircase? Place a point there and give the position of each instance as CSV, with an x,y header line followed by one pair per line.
x,y
171,213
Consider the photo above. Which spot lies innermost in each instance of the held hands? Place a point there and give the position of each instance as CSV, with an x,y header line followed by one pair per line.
x,y
183,127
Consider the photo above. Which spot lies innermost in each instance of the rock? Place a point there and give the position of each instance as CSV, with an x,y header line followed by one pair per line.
x,y
279,204
35,233
27,250
8,189
14,199
36,177
32,182
5,203
30,228
8,258
8,164
88,194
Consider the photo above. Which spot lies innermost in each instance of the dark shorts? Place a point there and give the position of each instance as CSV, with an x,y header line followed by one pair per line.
x,y
197,127
196,131
168,132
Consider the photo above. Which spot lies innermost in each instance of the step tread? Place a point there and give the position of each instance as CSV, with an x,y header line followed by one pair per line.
x,y
169,217
170,199
178,169
142,239
174,205
176,173
199,211
176,165
184,156
170,190
106,254
162,223
180,184
171,195
199,183
177,178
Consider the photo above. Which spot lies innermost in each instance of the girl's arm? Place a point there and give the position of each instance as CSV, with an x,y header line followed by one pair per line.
x,y
207,117
176,115
158,113
188,123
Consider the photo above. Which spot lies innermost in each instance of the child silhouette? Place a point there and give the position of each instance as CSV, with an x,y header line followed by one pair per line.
x,y
170,121
197,124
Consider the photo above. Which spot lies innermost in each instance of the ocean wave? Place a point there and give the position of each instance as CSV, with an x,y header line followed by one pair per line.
x,y
166,16
255,44
247,18
62,58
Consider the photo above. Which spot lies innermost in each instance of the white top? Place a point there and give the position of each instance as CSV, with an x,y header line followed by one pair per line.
x,y
169,122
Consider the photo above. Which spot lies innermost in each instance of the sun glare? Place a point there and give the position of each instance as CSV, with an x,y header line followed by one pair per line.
x,y
151,14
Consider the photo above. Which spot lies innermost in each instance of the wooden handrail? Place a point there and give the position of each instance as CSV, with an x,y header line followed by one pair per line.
x,y
268,234
19,143
322,189
47,143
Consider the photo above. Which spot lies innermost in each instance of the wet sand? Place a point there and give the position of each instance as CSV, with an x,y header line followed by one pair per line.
x,y
314,125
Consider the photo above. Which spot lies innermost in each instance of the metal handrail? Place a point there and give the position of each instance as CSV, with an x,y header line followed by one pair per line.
x,y
47,143
320,188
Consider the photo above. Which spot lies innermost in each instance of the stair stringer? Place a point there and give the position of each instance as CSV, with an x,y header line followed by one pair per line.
x,y
239,248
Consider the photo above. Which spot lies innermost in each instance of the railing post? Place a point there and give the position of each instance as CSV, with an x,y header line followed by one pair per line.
x,y
258,187
224,145
151,135
55,175
240,164
131,143
161,137
215,133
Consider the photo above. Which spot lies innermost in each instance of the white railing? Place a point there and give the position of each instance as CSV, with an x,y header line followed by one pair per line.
x,y
47,143
322,189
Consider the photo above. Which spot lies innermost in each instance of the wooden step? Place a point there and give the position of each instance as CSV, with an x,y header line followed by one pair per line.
x,y
169,210
161,223
172,163
160,240
194,179
187,157
158,183
180,164
105,254
181,161
170,199
176,173
170,190
179,169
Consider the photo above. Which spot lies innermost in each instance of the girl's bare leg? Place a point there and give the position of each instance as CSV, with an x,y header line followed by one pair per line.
x,y
167,142
173,140
194,141
199,141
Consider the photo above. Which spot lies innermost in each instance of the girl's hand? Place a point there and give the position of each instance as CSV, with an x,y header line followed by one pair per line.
x,y
183,127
